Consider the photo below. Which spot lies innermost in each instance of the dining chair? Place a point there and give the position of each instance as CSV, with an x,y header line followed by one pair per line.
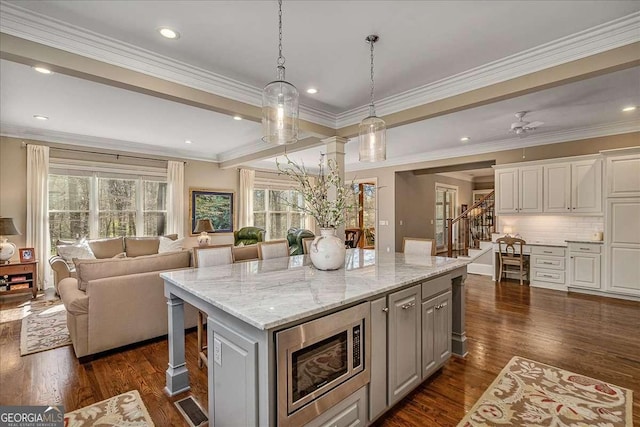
x,y
209,256
306,244
273,249
419,246
510,254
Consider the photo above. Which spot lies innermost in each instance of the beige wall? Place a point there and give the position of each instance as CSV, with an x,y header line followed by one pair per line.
x,y
13,186
416,200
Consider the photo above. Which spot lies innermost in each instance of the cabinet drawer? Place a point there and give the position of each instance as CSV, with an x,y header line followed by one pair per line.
x,y
436,286
15,269
547,250
351,412
548,262
550,276
584,247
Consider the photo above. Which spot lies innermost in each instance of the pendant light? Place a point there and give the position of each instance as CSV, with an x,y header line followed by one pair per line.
x,y
373,131
280,103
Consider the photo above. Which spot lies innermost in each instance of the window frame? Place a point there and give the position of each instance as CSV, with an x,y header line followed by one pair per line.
x,y
267,187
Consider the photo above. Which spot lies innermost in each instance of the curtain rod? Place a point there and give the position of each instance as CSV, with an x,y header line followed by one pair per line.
x,y
117,156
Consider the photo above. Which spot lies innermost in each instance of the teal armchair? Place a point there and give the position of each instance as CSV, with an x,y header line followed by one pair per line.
x,y
248,236
295,236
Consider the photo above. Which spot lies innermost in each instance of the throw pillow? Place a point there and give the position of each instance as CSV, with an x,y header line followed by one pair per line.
x,y
140,246
169,245
171,236
121,255
107,248
80,250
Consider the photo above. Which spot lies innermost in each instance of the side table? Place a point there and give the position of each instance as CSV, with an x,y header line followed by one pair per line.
x,y
19,277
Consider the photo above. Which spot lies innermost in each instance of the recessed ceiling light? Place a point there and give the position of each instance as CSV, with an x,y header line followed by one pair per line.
x,y
188,141
42,70
169,33
312,90
629,108
237,118
465,139
39,117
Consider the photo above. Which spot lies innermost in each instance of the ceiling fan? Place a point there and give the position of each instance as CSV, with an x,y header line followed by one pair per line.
x,y
521,127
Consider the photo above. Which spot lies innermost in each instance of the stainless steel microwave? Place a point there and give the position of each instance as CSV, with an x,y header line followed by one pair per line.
x,y
321,362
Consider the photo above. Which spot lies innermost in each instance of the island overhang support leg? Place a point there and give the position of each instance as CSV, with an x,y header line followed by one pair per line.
x,y
458,333
177,373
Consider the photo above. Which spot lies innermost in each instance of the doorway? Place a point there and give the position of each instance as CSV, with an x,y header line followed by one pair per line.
x,y
361,220
446,202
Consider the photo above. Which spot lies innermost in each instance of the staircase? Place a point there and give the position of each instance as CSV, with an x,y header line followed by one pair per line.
x,y
473,229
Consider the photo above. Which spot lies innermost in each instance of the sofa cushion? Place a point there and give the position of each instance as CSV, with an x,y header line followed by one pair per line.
x,y
107,248
87,270
80,250
140,246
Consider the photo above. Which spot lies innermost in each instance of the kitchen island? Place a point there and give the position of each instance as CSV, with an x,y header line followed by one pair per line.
x,y
249,304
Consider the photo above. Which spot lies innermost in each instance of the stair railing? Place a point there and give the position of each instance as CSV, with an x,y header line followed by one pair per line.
x,y
482,215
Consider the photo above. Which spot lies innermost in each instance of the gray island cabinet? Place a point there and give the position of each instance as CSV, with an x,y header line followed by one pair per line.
x,y
410,319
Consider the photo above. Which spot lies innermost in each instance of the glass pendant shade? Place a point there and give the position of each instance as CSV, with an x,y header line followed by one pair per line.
x,y
280,113
373,140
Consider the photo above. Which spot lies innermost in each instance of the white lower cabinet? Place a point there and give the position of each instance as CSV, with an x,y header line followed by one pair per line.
x,y
584,265
547,267
623,245
350,412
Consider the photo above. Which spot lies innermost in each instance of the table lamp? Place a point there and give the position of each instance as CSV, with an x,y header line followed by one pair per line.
x,y
204,227
507,230
7,249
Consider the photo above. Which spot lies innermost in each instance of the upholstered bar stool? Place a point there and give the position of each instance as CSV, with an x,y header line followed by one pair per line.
x,y
417,246
273,249
209,256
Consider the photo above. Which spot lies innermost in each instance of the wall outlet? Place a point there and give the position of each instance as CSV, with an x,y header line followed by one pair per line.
x,y
431,222
401,222
388,249
217,351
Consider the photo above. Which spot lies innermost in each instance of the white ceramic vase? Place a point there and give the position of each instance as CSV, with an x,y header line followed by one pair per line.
x,y
327,250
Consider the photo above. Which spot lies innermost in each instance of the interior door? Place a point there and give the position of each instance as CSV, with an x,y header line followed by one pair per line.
x,y
445,208
363,215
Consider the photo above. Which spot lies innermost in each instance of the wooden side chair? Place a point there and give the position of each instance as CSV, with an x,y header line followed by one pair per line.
x,y
273,249
209,256
510,254
306,244
418,246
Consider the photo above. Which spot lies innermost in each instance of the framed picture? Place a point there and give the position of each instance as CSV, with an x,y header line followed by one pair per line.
x,y
27,255
215,205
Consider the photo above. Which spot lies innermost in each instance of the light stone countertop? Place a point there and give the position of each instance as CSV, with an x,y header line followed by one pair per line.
x,y
592,242
267,294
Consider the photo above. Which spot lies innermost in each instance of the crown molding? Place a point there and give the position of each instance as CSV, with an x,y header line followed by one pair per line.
x,y
23,23
503,145
607,36
44,135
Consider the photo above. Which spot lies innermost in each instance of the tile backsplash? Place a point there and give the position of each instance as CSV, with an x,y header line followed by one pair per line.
x,y
544,228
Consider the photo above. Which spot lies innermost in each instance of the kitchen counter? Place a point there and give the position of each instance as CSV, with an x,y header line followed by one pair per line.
x,y
247,306
558,243
271,293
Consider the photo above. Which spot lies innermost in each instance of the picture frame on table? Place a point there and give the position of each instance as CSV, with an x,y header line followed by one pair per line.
x,y
216,205
27,254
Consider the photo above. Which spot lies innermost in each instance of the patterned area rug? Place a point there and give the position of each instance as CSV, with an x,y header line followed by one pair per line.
x,y
44,328
530,393
123,410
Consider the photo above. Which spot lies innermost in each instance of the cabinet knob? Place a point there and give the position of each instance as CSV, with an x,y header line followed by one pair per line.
x,y
386,309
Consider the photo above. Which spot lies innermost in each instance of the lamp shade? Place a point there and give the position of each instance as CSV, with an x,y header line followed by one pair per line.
x,y
8,228
204,225
373,140
280,113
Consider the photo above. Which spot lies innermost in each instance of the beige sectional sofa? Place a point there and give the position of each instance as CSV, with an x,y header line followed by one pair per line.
x,y
114,302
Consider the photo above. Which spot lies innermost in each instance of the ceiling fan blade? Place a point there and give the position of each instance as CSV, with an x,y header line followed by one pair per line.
x,y
534,125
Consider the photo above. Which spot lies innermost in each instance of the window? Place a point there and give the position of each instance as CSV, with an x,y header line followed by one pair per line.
x,y
93,205
272,211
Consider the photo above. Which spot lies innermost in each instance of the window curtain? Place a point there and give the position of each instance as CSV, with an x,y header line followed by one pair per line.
x,y
175,198
37,236
247,180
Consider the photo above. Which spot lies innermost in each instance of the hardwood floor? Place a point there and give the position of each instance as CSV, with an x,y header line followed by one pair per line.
x,y
594,336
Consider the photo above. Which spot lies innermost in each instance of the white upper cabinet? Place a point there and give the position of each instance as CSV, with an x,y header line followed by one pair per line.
x,y
557,188
553,187
519,190
623,176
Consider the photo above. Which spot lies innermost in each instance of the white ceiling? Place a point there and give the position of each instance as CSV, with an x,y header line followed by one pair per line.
x,y
421,42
